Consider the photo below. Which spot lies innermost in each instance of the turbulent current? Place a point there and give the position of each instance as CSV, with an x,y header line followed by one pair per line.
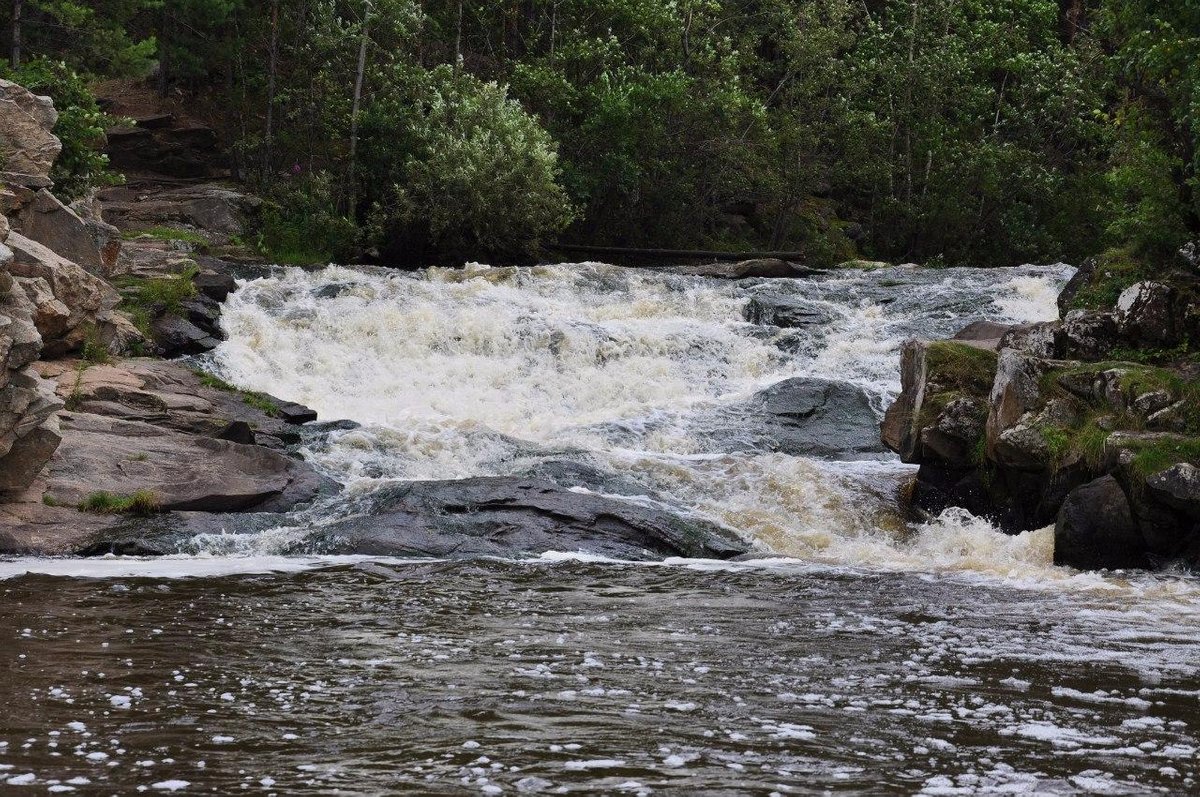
x,y
852,652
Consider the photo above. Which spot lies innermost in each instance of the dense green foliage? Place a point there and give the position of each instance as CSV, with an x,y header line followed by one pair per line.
x,y
80,126
956,131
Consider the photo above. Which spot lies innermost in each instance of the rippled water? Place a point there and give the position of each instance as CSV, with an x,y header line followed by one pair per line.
x,y
568,676
874,658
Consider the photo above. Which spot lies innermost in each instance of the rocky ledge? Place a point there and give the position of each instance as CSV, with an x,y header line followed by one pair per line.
x,y
1090,423
91,436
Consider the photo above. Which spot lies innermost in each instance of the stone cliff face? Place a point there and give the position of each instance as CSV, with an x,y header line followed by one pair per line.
x,y
1091,422
46,302
80,427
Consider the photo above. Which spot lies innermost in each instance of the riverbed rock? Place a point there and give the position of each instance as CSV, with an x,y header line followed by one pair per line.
x,y
218,211
165,394
507,516
766,268
29,147
1096,530
806,416
784,311
983,334
186,472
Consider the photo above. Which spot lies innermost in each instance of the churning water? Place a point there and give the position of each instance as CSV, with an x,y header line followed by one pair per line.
x,y
858,655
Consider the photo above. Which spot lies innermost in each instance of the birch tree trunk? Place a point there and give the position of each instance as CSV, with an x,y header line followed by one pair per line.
x,y
352,192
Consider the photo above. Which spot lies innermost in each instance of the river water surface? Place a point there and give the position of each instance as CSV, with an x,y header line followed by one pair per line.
x,y
853,654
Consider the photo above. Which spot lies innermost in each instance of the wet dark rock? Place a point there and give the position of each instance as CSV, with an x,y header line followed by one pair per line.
x,y
333,291
215,285
783,311
507,516
1096,530
293,413
176,337
768,268
813,417
237,432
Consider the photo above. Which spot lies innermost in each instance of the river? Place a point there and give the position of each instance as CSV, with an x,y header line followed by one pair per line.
x,y
850,653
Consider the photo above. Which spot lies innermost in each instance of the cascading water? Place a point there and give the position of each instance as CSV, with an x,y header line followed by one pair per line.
x,y
491,371
871,658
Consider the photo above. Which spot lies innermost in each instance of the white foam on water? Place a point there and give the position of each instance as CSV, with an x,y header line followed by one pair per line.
x,y
482,371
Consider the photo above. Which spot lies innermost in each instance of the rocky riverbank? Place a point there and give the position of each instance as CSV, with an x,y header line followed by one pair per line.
x,y
90,435
1090,423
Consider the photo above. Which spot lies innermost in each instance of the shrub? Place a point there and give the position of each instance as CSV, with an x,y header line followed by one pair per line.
x,y
81,125
464,170
300,224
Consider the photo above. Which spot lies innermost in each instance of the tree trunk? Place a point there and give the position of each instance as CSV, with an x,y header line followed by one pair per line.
x,y
271,72
16,34
351,193
458,56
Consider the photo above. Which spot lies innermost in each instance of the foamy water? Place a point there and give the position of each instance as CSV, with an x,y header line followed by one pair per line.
x,y
459,373
856,653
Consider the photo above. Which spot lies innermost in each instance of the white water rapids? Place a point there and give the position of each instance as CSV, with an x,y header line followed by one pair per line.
x,y
491,371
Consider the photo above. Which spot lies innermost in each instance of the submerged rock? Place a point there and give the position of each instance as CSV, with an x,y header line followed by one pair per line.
x,y
783,311
509,516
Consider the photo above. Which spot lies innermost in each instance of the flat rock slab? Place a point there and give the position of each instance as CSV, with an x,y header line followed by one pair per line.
x,y
165,394
509,516
102,454
31,528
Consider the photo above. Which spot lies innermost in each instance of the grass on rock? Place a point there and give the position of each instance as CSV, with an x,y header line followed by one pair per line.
x,y
147,298
259,401
143,502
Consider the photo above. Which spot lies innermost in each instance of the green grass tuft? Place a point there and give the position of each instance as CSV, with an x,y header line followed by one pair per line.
x,y
259,401
1155,457
144,299
143,502
1116,270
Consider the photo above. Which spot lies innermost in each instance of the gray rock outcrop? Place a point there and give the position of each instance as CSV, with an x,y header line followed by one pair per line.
x,y
508,516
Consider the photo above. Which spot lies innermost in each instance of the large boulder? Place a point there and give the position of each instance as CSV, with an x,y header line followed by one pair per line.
x,y
29,147
218,211
29,432
182,471
91,243
1096,529
508,516
805,417
938,418
55,285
